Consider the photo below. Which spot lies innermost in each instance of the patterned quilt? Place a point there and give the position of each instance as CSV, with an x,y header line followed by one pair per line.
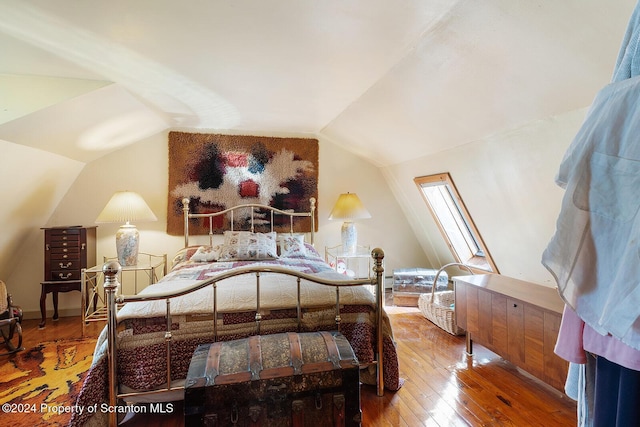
x,y
141,355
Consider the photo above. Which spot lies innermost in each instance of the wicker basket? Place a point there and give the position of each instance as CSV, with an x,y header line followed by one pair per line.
x,y
440,312
439,307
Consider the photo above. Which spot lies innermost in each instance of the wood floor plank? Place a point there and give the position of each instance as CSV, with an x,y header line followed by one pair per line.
x,y
435,372
476,378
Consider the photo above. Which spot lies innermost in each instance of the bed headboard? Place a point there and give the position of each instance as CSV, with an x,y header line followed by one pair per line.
x,y
253,207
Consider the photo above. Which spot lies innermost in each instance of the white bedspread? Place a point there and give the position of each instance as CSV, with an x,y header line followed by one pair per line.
x,y
238,293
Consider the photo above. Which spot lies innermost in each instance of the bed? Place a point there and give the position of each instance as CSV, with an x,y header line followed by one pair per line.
x,y
257,281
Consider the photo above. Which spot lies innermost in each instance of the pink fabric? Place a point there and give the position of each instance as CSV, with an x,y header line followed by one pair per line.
x,y
575,337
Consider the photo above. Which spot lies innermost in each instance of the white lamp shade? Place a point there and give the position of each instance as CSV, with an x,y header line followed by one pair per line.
x,y
126,206
123,207
349,207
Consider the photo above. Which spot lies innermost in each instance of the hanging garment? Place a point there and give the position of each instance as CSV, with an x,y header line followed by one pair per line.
x,y
617,393
586,163
595,252
576,340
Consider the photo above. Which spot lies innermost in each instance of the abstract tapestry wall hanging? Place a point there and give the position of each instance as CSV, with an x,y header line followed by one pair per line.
x,y
220,171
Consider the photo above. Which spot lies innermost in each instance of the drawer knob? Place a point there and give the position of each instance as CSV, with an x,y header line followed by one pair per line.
x,y
67,265
515,305
64,277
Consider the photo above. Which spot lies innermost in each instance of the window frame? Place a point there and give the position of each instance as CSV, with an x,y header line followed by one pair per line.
x,y
481,264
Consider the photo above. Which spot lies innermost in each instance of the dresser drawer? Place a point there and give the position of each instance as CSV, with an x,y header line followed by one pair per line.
x,y
71,231
66,243
64,253
57,275
68,263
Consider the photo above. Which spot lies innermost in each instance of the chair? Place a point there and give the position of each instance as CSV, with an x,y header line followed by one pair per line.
x,y
10,320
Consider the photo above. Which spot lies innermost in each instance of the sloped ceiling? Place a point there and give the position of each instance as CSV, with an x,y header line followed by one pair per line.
x,y
389,80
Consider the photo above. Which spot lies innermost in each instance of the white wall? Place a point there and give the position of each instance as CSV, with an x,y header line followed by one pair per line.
x,y
507,184
32,184
143,167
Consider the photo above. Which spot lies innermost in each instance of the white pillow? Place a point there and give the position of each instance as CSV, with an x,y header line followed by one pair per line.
x,y
248,246
292,246
207,254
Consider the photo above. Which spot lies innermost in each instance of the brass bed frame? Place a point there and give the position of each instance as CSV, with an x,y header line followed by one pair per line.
x,y
113,299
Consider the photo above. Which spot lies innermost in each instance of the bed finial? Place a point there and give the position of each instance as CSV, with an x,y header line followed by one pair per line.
x,y
378,257
111,270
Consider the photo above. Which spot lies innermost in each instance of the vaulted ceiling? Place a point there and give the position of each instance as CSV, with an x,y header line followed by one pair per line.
x,y
389,80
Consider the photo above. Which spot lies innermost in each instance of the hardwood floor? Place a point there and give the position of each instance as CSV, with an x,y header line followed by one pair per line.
x,y
443,387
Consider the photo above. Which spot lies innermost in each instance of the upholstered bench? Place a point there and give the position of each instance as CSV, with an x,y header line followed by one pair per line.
x,y
410,283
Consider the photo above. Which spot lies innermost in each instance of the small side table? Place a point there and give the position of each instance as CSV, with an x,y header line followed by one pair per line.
x,y
354,264
357,265
151,267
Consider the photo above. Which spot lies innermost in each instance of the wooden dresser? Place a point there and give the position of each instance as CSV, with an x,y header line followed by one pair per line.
x,y
518,320
67,250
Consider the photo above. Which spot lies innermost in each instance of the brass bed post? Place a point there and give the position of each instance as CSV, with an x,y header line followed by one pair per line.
x,y
378,269
299,307
185,213
167,340
312,209
210,231
258,314
338,318
110,271
215,311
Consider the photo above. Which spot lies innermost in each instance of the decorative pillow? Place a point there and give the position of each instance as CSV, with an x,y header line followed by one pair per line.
x,y
207,254
248,246
292,246
183,254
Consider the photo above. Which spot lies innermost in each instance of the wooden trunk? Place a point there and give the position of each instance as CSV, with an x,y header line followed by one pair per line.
x,y
287,379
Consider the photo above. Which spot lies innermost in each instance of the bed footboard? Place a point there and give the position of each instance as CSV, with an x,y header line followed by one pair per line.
x,y
111,285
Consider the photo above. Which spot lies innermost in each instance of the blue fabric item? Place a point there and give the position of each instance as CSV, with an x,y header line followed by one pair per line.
x,y
628,63
580,387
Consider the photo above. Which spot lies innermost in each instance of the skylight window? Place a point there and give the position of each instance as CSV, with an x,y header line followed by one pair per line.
x,y
454,221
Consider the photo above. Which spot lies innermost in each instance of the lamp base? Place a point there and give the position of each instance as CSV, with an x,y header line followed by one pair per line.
x,y
127,241
349,236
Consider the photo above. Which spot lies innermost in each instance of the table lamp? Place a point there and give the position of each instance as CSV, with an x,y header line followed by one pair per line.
x,y
126,206
349,207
